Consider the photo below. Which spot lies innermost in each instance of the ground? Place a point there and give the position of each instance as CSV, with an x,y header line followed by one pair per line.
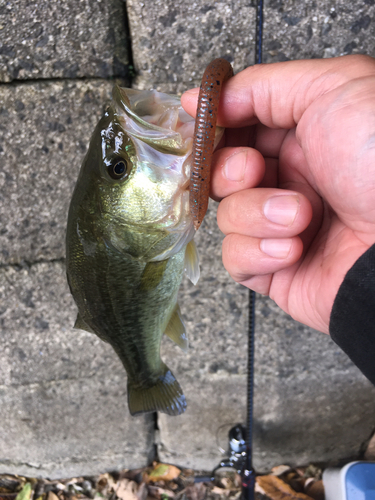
x,y
167,482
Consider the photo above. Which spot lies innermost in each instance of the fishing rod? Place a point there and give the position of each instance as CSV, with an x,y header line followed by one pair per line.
x,y
240,437
248,473
259,32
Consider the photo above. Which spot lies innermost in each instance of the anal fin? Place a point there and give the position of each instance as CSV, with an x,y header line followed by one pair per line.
x,y
82,325
176,329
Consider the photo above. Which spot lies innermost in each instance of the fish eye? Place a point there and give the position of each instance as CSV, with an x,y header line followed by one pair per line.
x,y
119,169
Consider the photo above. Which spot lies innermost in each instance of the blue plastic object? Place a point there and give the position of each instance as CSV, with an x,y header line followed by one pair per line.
x,y
360,481
355,481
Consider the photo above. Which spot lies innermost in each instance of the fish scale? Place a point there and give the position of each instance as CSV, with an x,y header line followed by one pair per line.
x,y
129,239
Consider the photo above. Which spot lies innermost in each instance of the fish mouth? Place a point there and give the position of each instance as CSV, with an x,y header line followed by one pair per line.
x,y
163,132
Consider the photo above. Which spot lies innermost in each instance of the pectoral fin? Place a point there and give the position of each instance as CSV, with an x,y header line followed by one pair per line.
x,y
152,274
176,329
192,262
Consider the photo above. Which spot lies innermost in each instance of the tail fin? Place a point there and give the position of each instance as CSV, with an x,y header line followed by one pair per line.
x,y
165,396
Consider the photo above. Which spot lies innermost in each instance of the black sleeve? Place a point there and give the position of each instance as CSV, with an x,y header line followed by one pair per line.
x,y
352,322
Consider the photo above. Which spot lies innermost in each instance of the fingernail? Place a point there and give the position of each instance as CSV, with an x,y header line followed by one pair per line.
x,y
234,168
282,209
194,91
276,248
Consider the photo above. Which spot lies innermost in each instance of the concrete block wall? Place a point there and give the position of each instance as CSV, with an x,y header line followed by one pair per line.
x,y
62,391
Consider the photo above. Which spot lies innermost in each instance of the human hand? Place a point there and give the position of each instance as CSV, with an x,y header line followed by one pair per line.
x,y
296,178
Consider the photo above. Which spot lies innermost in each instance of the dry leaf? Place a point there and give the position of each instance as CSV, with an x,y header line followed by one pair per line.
x,y
126,489
25,493
313,471
163,472
231,481
11,484
157,492
220,492
52,496
142,492
279,470
201,490
225,483
217,490
104,483
134,475
315,489
59,486
8,496
276,489
295,480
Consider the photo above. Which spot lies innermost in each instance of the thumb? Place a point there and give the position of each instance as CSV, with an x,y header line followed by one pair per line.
x,y
278,94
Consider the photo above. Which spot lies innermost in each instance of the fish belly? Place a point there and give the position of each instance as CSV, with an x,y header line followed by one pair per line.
x,y
128,303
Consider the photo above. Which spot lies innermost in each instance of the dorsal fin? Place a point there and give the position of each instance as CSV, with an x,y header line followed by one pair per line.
x,y
176,329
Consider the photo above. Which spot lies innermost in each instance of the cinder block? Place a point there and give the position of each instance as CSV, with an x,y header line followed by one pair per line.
x,y
309,30
44,133
63,398
173,41
70,39
311,402
63,392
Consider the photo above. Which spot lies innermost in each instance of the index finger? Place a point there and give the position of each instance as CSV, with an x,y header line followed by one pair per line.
x,y
278,94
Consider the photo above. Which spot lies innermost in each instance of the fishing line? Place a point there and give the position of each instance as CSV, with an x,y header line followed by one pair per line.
x,y
241,438
258,32
248,473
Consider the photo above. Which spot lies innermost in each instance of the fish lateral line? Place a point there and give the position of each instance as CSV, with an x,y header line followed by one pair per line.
x,y
129,241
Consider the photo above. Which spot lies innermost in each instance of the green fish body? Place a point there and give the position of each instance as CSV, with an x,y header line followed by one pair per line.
x,y
129,239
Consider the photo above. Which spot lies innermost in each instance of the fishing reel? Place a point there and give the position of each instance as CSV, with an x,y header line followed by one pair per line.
x,y
236,454
239,459
236,450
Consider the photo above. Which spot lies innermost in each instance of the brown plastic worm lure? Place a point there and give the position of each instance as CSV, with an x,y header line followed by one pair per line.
x,y
216,73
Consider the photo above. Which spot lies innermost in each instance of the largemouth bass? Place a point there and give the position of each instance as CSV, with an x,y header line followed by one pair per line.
x,y
131,227
130,238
